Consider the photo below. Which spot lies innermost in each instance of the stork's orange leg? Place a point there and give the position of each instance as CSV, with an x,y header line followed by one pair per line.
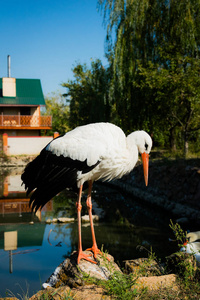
x,y
81,254
94,248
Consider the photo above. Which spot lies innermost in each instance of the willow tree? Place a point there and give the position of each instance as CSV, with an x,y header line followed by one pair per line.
x,y
175,75
165,35
134,30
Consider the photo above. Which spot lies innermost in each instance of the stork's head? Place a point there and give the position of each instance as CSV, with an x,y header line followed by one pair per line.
x,y
143,142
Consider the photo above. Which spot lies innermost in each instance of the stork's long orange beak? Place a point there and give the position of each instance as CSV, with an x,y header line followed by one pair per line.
x,y
145,160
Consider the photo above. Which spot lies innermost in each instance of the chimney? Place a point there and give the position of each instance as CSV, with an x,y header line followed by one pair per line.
x,y
8,83
8,61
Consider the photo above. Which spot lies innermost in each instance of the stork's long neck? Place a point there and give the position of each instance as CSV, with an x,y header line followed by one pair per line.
x,y
132,148
131,142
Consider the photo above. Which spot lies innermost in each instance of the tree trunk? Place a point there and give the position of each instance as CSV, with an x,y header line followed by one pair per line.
x,y
172,139
186,146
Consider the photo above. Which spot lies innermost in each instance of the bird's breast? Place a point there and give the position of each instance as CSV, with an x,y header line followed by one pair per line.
x,y
109,168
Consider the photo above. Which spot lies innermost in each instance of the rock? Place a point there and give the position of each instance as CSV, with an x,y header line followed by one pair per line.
x,y
144,266
183,264
53,279
102,270
182,220
67,273
87,292
65,220
9,298
178,209
51,293
74,282
155,283
86,218
49,221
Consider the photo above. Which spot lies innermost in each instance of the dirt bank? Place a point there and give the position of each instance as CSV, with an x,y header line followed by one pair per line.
x,y
174,185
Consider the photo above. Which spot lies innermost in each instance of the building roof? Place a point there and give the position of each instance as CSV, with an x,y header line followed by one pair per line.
x,y
28,92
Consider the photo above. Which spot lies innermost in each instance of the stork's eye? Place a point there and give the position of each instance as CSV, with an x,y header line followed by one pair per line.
x,y
146,146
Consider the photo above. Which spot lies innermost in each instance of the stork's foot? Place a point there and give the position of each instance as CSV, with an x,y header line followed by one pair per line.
x,y
82,255
96,251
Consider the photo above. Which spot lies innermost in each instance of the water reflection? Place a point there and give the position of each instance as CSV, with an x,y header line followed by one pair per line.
x,y
38,248
14,204
10,244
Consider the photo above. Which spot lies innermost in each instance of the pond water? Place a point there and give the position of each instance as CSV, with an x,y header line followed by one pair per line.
x,y
29,253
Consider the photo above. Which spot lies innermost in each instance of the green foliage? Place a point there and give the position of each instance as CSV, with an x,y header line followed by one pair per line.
x,y
121,286
176,91
184,263
179,234
88,94
150,266
24,295
56,107
45,295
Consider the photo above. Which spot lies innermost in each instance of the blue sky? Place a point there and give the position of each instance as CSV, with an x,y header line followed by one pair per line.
x,y
45,39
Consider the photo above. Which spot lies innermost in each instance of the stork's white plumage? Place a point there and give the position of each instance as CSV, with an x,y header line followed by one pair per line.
x,y
85,154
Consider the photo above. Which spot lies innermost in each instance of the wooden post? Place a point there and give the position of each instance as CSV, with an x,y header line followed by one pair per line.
x,y
5,186
5,143
39,116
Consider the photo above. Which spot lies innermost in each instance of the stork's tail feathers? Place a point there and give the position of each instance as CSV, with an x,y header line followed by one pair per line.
x,y
44,178
49,174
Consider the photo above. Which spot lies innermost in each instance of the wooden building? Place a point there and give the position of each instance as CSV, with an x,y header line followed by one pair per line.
x,y
20,102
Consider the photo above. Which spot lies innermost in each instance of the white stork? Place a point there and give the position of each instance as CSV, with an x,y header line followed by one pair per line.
x,y
84,155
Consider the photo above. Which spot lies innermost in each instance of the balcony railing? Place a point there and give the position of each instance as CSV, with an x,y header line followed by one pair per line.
x,y
25,121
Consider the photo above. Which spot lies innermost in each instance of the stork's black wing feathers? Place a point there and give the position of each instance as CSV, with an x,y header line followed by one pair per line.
x,y
49,174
